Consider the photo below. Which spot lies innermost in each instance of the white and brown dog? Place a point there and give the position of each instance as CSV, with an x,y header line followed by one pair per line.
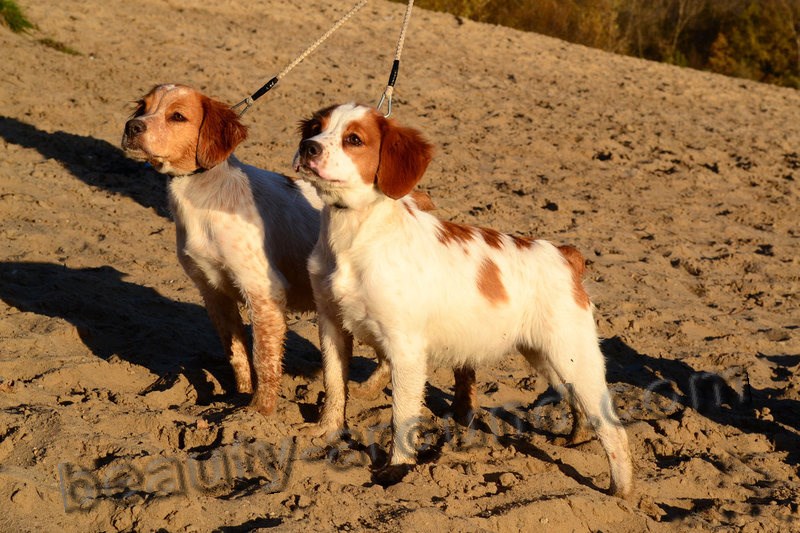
x,y
243,234
422,290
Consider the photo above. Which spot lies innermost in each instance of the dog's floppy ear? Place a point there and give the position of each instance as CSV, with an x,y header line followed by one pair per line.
x,y
405,155
220,133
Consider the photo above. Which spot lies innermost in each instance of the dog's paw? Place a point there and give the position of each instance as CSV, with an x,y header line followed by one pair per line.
x,y
244,387
577,437
315,430
264,404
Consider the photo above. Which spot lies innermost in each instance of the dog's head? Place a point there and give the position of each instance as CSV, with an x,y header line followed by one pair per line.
x,y
179,130
352,154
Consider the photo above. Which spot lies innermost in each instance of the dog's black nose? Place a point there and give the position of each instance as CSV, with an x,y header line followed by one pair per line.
x,y
135,127
310,149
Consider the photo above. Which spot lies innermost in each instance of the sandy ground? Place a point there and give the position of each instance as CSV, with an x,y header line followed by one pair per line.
x,y
679,186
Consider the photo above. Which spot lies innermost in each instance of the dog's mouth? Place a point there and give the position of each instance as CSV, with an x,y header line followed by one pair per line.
x,y
308,169
137,153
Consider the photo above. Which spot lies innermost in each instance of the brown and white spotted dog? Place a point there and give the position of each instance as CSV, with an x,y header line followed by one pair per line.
x,y
425,291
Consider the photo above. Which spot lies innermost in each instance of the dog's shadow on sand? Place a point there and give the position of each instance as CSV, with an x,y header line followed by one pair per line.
x,y
662,383
115,317
111,315
720,399
95,162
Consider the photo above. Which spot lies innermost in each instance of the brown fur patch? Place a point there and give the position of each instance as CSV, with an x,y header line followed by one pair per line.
x,y
492,237
366,156
578,266
490,283
522,242
448,232
310,127
423,201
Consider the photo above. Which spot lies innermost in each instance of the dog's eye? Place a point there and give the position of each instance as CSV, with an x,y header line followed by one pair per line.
x,y
177,117
353,140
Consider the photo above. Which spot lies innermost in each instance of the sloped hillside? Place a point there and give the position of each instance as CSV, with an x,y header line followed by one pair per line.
x,y
681,188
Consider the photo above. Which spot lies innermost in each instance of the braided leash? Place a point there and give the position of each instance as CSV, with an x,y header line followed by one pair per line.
x,y
387,94
250,100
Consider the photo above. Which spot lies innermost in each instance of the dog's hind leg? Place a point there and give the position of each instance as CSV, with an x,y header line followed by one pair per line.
x,y
465,395
574,359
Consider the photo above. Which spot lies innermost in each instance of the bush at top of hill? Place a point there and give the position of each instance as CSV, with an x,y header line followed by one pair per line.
x,y
755,39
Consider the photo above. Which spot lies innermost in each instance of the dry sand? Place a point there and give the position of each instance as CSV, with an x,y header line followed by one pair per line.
x,y
681,187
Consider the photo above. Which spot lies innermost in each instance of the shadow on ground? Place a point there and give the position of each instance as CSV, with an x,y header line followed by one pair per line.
x,y
136,323
93,161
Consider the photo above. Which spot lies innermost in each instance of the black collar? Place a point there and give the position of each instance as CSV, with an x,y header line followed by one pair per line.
x,y
192,173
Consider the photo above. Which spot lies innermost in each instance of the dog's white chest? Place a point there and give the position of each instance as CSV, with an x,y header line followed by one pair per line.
x,y
352,295
217,240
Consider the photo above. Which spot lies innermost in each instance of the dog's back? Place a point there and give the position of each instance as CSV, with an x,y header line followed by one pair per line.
x,y
236,207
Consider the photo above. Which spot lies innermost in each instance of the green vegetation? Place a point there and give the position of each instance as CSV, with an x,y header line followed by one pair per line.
x,y
755,39
11,15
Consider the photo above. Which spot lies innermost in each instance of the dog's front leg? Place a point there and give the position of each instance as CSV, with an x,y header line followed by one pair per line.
x,y
269,330
224,313
409,375
337,350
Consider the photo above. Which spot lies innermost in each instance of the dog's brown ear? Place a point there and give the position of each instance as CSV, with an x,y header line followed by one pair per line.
x,y
220,133
405,155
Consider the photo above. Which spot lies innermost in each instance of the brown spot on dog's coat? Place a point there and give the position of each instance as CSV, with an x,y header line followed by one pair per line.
x,y
522,242
578,266
423,201
448,232
492,237
490,283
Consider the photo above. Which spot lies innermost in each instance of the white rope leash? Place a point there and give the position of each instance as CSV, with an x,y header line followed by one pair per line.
x,y
322,39
250,100
389,91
